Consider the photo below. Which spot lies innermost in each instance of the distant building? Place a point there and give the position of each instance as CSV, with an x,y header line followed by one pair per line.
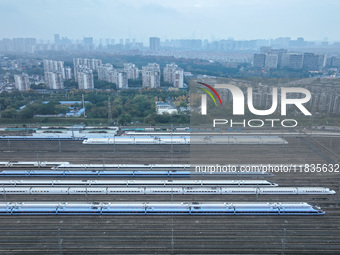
x,y
279,53
155,43
310,62
131,70
335,62
88,43
54,66
118,76
295,61
284,62
91,63
87,63
18,45
174,75
85,78
56,38
54,80
322,60
103,72
68,73
259,60
165,108
151,76
22,82
271,61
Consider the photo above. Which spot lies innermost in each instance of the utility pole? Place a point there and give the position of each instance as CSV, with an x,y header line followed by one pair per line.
x,y
82,98
38,161
109,112
171,140
114,142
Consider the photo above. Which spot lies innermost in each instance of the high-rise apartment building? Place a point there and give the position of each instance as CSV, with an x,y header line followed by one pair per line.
x,y
54,73
57,38
271,61
106,72
174,75
131,70
103,72
54,66
54,80
295,61
151,76
310,62
119,77
85,78
155,43
259,60
85,62
68,73
21,82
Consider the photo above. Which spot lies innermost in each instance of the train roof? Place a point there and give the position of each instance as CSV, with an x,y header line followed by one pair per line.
x,y
255,204
141,182
166,189
68,165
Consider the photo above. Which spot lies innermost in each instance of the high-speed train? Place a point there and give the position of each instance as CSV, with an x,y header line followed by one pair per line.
x,y
249,140
80,173
137,133
68,166
255,169
127,183
20,164
165,208
146,140
165,190
39,138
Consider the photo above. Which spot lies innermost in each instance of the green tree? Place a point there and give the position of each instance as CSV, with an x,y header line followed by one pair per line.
x,y
9,113
124,119
26,113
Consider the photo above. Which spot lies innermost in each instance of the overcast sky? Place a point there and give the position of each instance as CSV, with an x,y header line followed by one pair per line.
x,y
140,19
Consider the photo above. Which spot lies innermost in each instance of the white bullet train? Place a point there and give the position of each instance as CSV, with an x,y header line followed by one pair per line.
x,y
187,140
127,183
165,208
68,166
165,190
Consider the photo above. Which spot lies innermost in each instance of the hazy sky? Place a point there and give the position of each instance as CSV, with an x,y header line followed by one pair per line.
x,y
140,19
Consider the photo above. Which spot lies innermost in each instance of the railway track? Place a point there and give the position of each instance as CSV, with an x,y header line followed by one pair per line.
x,y
163,234
74,152
175,234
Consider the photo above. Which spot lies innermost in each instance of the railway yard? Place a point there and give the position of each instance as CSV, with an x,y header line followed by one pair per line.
x,y
173,234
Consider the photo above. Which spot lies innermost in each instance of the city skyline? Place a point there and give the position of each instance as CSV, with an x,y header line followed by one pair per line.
x,y
212,20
